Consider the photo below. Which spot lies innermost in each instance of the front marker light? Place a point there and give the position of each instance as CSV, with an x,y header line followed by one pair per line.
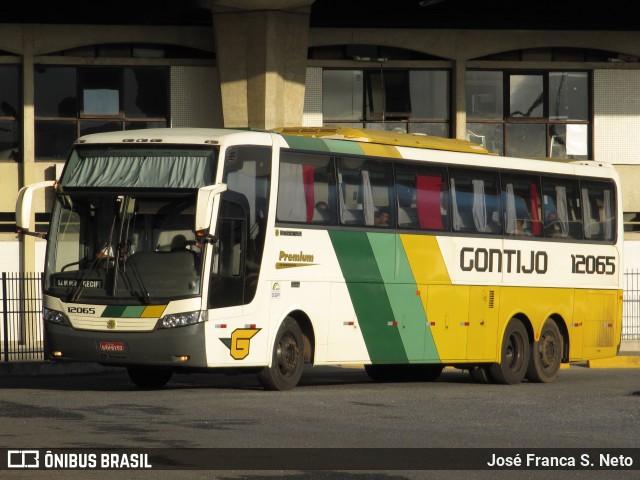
x,y
54,316
182,319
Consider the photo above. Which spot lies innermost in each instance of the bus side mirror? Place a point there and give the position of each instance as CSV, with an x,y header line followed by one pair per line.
x,y
24,208
204,209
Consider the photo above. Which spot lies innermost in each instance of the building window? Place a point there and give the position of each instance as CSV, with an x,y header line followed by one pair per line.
x,y
75,101
100,92
413,101
10,107
631,221
530,114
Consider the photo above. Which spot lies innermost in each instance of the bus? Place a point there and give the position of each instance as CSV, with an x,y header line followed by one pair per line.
x,y
220,250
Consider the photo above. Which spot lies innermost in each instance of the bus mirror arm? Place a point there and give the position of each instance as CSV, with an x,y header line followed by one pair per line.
x,y
206,196
25,223
42,235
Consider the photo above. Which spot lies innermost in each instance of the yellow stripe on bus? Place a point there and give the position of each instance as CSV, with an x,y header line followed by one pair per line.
x,y
377,150
425,259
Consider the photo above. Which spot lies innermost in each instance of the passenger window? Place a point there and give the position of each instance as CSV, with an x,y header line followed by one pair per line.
x,y
521,205
306,191
561,209
475,203
598,210
422,197
364,192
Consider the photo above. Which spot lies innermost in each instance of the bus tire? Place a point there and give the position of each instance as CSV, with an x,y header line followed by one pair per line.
x,y
546,354
288,358
149,378
514,355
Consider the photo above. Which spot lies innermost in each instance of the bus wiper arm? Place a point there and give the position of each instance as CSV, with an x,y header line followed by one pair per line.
x,y
146,295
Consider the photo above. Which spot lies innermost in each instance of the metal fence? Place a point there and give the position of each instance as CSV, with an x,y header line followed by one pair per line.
x,y
631,309
21,332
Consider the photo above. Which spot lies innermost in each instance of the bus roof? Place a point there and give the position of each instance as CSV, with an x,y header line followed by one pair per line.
x,y
383,137
341,139
161,135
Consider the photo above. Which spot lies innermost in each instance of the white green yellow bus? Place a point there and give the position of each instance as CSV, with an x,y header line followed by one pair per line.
x,y
182,250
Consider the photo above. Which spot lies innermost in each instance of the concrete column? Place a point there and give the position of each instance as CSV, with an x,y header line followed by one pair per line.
x,y
460,88
27,167
261,56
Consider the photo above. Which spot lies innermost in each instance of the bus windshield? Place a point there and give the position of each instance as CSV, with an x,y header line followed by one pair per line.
x,y
131,248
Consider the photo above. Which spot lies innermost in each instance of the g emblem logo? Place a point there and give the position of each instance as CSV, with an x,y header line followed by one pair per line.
x,y
111,324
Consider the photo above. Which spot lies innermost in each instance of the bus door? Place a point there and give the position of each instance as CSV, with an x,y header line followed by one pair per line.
x,y
228,283
236,318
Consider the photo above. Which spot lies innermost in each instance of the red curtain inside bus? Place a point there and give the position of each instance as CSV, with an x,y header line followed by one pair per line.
x,y
428,188
309,195
536,225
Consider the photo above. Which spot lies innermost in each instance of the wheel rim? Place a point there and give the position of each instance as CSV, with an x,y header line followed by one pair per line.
x,y
515,352
548,350
288,355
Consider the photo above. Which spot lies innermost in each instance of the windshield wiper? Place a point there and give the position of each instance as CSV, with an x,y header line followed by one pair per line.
x,y
108,250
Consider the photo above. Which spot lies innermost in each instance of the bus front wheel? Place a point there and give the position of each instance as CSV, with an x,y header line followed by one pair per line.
x,y
149,378
288,358
546,354
514,355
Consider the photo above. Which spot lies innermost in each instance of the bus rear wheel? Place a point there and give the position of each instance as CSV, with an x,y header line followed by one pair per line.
x,y
546,354
288,358
149,378
514,355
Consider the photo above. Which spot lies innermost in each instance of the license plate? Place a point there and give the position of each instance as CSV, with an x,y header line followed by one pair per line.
x,y
113,347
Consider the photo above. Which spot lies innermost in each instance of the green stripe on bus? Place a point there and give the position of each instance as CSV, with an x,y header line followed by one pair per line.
x,y
323,145
133,312
404,296
113,311
369,296
343,146
305,143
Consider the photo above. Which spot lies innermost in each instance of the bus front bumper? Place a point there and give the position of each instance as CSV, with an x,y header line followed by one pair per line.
x,y
171,347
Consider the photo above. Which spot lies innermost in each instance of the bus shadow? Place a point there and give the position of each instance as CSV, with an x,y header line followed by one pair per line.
x,y
118,380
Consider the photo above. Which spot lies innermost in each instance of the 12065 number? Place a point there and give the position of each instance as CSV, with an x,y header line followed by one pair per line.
x,y
590,264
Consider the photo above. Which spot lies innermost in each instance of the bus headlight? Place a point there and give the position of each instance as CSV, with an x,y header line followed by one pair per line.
x,y
182,319
54,316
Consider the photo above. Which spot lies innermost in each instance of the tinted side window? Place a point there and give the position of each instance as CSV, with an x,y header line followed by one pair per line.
x,y
598,209
475,203
364,192
521,205
306,191
561,208
423,197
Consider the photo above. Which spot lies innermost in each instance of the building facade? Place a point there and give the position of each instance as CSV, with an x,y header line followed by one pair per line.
x,y
523,92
